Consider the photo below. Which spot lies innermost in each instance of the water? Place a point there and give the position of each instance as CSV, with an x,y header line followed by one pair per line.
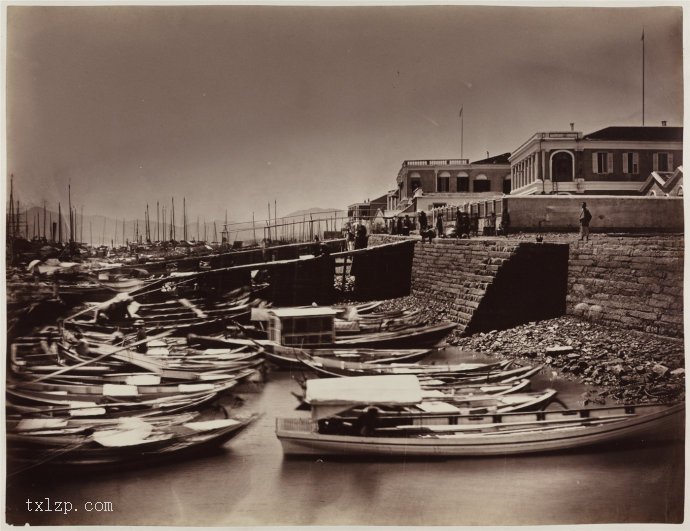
x,y
250,483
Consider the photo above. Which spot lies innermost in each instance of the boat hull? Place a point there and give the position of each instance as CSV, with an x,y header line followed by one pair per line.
x,y
666,424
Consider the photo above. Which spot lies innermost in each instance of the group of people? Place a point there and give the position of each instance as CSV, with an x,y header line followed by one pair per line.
x,y
357,237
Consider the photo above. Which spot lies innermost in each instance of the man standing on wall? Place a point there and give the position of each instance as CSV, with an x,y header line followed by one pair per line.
x,y
585,218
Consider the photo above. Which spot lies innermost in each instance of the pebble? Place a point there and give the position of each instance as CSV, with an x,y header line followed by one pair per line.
x,y
624,365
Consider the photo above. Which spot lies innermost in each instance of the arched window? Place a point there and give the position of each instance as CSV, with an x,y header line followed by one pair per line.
x,y
680,191
481,183
463,181
562,166
443,182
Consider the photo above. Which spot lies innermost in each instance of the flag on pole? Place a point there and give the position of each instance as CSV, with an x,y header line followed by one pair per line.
x,y
642,35
460,115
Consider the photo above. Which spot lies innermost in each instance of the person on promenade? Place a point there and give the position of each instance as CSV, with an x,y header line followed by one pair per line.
x,y
406,225
439,225
422,221
361,236
505,222
585,218
399,225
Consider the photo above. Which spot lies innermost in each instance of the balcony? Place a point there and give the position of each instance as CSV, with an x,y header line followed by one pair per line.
x,y
438,162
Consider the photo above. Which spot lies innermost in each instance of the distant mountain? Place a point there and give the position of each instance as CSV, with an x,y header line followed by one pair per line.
x,y
314,211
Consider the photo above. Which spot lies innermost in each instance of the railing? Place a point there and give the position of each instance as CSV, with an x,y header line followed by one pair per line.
x,y
437,162
304,425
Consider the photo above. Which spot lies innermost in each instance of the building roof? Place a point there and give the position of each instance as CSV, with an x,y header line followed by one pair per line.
x,y
303,312
643,133
665,180
498,159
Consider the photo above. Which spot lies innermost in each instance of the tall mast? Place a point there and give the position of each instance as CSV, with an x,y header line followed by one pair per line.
x,y
44,220
158,225
172,221
59,223
69,201
13,227
184,218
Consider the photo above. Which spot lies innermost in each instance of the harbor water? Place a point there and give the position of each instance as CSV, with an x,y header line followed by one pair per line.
x,y
250,482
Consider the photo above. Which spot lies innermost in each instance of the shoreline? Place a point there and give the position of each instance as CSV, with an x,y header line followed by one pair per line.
x,y
618,364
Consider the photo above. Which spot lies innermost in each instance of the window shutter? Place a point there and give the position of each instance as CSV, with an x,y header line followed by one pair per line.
x,y
609,162
594,163
655,162
625,163
670,162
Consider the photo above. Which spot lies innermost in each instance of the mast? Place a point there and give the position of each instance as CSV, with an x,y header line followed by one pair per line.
x,y
13,228
158,225
44,220
71,224
172,221
59,223
184,218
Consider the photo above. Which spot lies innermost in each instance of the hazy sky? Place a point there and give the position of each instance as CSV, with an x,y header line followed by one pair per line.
x,y
236,106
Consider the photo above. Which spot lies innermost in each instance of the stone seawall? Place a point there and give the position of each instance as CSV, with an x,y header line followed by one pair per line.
x,y
636,282
488,283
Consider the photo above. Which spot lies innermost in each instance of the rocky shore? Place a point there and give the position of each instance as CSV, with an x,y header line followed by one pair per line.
x,y
621,365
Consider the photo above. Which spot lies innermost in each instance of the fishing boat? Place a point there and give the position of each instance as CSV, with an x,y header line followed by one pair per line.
x,y
286,357
435,401
293,332
329,367
328,431
130,441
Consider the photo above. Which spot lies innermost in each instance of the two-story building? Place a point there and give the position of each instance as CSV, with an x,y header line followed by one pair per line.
x,y
612,161
428,184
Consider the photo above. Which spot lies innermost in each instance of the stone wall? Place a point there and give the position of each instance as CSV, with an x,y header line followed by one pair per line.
x,y
635,282
488,283
609,213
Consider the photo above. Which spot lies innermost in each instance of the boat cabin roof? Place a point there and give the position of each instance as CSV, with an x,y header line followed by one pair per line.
x,y
303,312
365,390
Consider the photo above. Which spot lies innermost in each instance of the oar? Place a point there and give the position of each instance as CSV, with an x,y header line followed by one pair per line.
x,y
102,356
248,335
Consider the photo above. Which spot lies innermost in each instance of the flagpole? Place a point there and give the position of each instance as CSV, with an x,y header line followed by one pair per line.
x,y
462,123
642,76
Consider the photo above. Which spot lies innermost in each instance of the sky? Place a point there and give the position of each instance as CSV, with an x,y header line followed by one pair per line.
x,y
234,107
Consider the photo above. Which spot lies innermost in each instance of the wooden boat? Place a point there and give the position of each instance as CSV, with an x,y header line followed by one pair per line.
x,y
333,367
412,337
464,403
134,441
287,357
462,435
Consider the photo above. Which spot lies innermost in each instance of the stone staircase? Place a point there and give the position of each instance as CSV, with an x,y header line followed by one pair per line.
x,y
492,284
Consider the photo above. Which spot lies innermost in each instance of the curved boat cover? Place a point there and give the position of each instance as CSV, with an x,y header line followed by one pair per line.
x,y
329,396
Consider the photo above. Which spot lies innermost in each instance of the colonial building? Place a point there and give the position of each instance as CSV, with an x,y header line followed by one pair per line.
x,y
611,161
428,184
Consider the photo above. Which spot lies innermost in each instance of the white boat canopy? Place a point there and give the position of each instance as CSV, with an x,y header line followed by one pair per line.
x,y
329,396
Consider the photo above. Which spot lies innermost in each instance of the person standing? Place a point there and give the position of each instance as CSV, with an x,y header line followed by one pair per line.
x,y
141,337
439,225
505,222
422,221
406,225
361,236
585,218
